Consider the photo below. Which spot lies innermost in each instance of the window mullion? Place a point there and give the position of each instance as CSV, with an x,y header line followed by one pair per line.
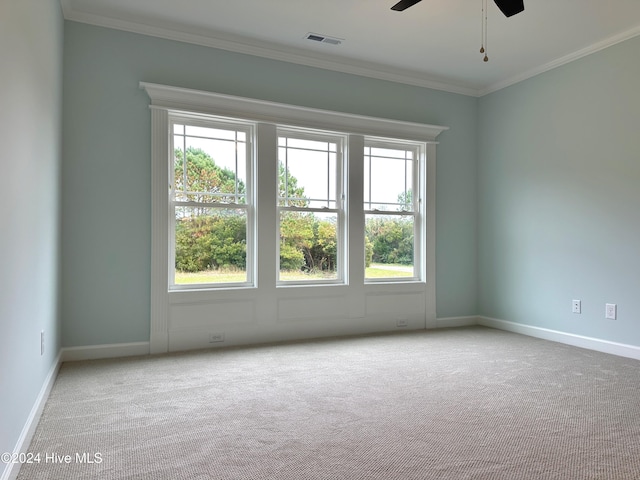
x,y
286,170
184,162
308,209
329,178
406,163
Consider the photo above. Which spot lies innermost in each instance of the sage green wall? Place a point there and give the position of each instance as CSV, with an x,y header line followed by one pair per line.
x,y
559,197
106,170
31,39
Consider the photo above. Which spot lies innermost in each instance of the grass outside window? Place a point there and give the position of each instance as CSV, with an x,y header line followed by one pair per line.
x,y
376,270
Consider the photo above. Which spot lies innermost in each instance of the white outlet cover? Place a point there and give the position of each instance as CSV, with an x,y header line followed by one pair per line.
x,y
576,306
216,337
611,311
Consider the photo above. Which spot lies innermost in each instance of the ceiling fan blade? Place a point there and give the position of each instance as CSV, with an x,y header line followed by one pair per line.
x,y
404,4
510,7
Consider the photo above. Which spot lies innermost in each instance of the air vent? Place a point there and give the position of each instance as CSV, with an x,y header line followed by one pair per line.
x,y
323,39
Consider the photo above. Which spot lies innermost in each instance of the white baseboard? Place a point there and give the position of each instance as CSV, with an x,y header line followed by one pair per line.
x,y
447,322
590,343
94,352
11,470
114,350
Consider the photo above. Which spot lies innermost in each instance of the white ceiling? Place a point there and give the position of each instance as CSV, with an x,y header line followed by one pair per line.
x,y
434,43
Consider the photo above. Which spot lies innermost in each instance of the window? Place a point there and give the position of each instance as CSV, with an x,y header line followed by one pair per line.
x,y
310,207
392,206
210,199
259,213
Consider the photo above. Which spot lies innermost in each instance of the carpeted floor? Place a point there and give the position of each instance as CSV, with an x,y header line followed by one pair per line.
x,y
469,403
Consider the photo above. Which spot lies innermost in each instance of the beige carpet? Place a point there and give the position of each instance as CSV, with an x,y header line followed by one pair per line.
x,y
471,403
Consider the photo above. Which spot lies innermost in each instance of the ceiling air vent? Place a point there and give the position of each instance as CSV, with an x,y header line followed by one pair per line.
x,y
323,39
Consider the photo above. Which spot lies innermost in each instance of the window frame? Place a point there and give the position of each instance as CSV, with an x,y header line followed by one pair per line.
x,y
182,319
418,185
222,123
341,202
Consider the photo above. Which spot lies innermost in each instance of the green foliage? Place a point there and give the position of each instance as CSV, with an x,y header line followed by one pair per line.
x,y
290,257
324,249
296,228
391,239
208,242
307,242
368,251
212,239
203,177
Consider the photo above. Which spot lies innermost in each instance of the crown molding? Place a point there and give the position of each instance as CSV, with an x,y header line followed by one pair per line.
x,y
326,62
596,47
270,51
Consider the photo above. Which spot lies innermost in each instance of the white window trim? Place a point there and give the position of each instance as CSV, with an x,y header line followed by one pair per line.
x,y
340,209
248,128
419,207
165,99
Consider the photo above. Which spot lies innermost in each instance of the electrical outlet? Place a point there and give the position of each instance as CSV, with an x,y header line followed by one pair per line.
x,y
402,322
216,337
576,306
610,311
41,342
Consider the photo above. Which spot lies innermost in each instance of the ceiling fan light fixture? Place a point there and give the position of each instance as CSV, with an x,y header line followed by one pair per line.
x,y
483,40
404,4
510,7
507,7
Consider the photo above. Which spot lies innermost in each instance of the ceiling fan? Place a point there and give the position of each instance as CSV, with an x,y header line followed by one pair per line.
x,y
508,7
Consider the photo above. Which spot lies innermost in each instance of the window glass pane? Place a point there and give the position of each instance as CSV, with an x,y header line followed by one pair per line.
x,y
388,153
210,245
389,245
310,177
209,132
308,246
210,169
388,179
222,152
311,170
308,173
290,193
319,145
